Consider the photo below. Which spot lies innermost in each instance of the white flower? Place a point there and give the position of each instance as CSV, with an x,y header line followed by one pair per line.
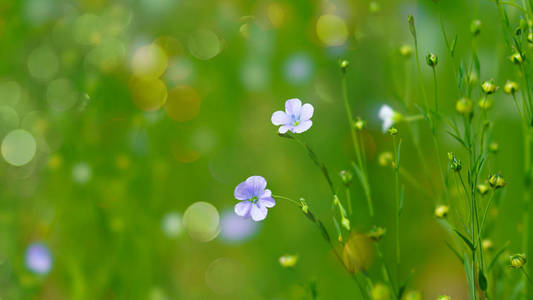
x,y
388,116
296,118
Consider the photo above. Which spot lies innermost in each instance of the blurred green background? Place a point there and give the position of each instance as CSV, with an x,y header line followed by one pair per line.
x,y
138,109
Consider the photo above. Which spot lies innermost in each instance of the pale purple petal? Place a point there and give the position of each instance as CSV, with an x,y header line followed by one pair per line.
x,y
257,185
280,118
243,191
243,208
284,128
307,112
258,213
303,126
267,202
266,193
293,107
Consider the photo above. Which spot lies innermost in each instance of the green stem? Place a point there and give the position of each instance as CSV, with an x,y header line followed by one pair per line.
x,y
397,196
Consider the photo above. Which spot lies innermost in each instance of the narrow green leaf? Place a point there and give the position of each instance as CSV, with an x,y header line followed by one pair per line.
x,y
497,255
482,280
469,277
466,240
402,288
455,252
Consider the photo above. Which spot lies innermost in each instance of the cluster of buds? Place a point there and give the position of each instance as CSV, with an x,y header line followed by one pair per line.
x,y
441,211
432,60
464,106
376,233
496,181
518,261
489,87
406,51
510,87
455,164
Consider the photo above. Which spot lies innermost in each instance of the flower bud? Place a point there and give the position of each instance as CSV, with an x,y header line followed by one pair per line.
x,y
472,78
482,188
530,37
432,60
380,292
455,164
376,233
518,261
413,295
345,223
406,51
510,87
485,103
494,147
359,124
346,177
489,87
441,211
517,58
475,27
496,181
444,297
487,245
344,64
393,131
288,261
303,204
464,106
385,159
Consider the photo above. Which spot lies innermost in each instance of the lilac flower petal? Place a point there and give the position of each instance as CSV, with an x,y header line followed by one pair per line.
x,y
307,112
283,129
280,118
266,193
267,202
243,191
293,107
257,185
258,213
302,127
243,208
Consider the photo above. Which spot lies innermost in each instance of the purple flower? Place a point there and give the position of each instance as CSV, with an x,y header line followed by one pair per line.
x,y
38,258
255,199
295,118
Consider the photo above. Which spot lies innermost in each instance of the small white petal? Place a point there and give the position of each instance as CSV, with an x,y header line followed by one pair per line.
x,y
303,126
307,112
280,118
283,129
293,106
243,208
258,213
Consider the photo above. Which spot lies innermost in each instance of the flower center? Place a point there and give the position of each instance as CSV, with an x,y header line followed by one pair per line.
x,y
295,120
254,199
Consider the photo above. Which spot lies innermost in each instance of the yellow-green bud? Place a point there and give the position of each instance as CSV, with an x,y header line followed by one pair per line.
x,y
406,51
496,181
346,177
345,223
464,106
380,292
485,103
510,87
489,87
288,261
376,233
441,211
482,188
344,64
494,147
304,206
475,27
393,131
530,37
487,245
385,159
413,295
455,164
472,78
518,261
517,58
432,60
359,124
444,297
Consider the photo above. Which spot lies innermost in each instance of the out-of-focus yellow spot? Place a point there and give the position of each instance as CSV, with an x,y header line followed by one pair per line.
x,y
288,261
202,221
204,44
276,14
183,103
10,92
61,94
358,253
331,30
220,276
148,94
88,29
149,61
115,19
108,55
81,173
18,147
54,161
184,154
43,63
170,45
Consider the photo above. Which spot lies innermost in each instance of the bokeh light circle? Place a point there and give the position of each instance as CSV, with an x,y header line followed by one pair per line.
x,y
43,63
331,30
9,119
81,173
18,147
108,55
202,221
183,103
10,92
148,94
61,94
172,224
88,29
204,44
234,229
149,61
